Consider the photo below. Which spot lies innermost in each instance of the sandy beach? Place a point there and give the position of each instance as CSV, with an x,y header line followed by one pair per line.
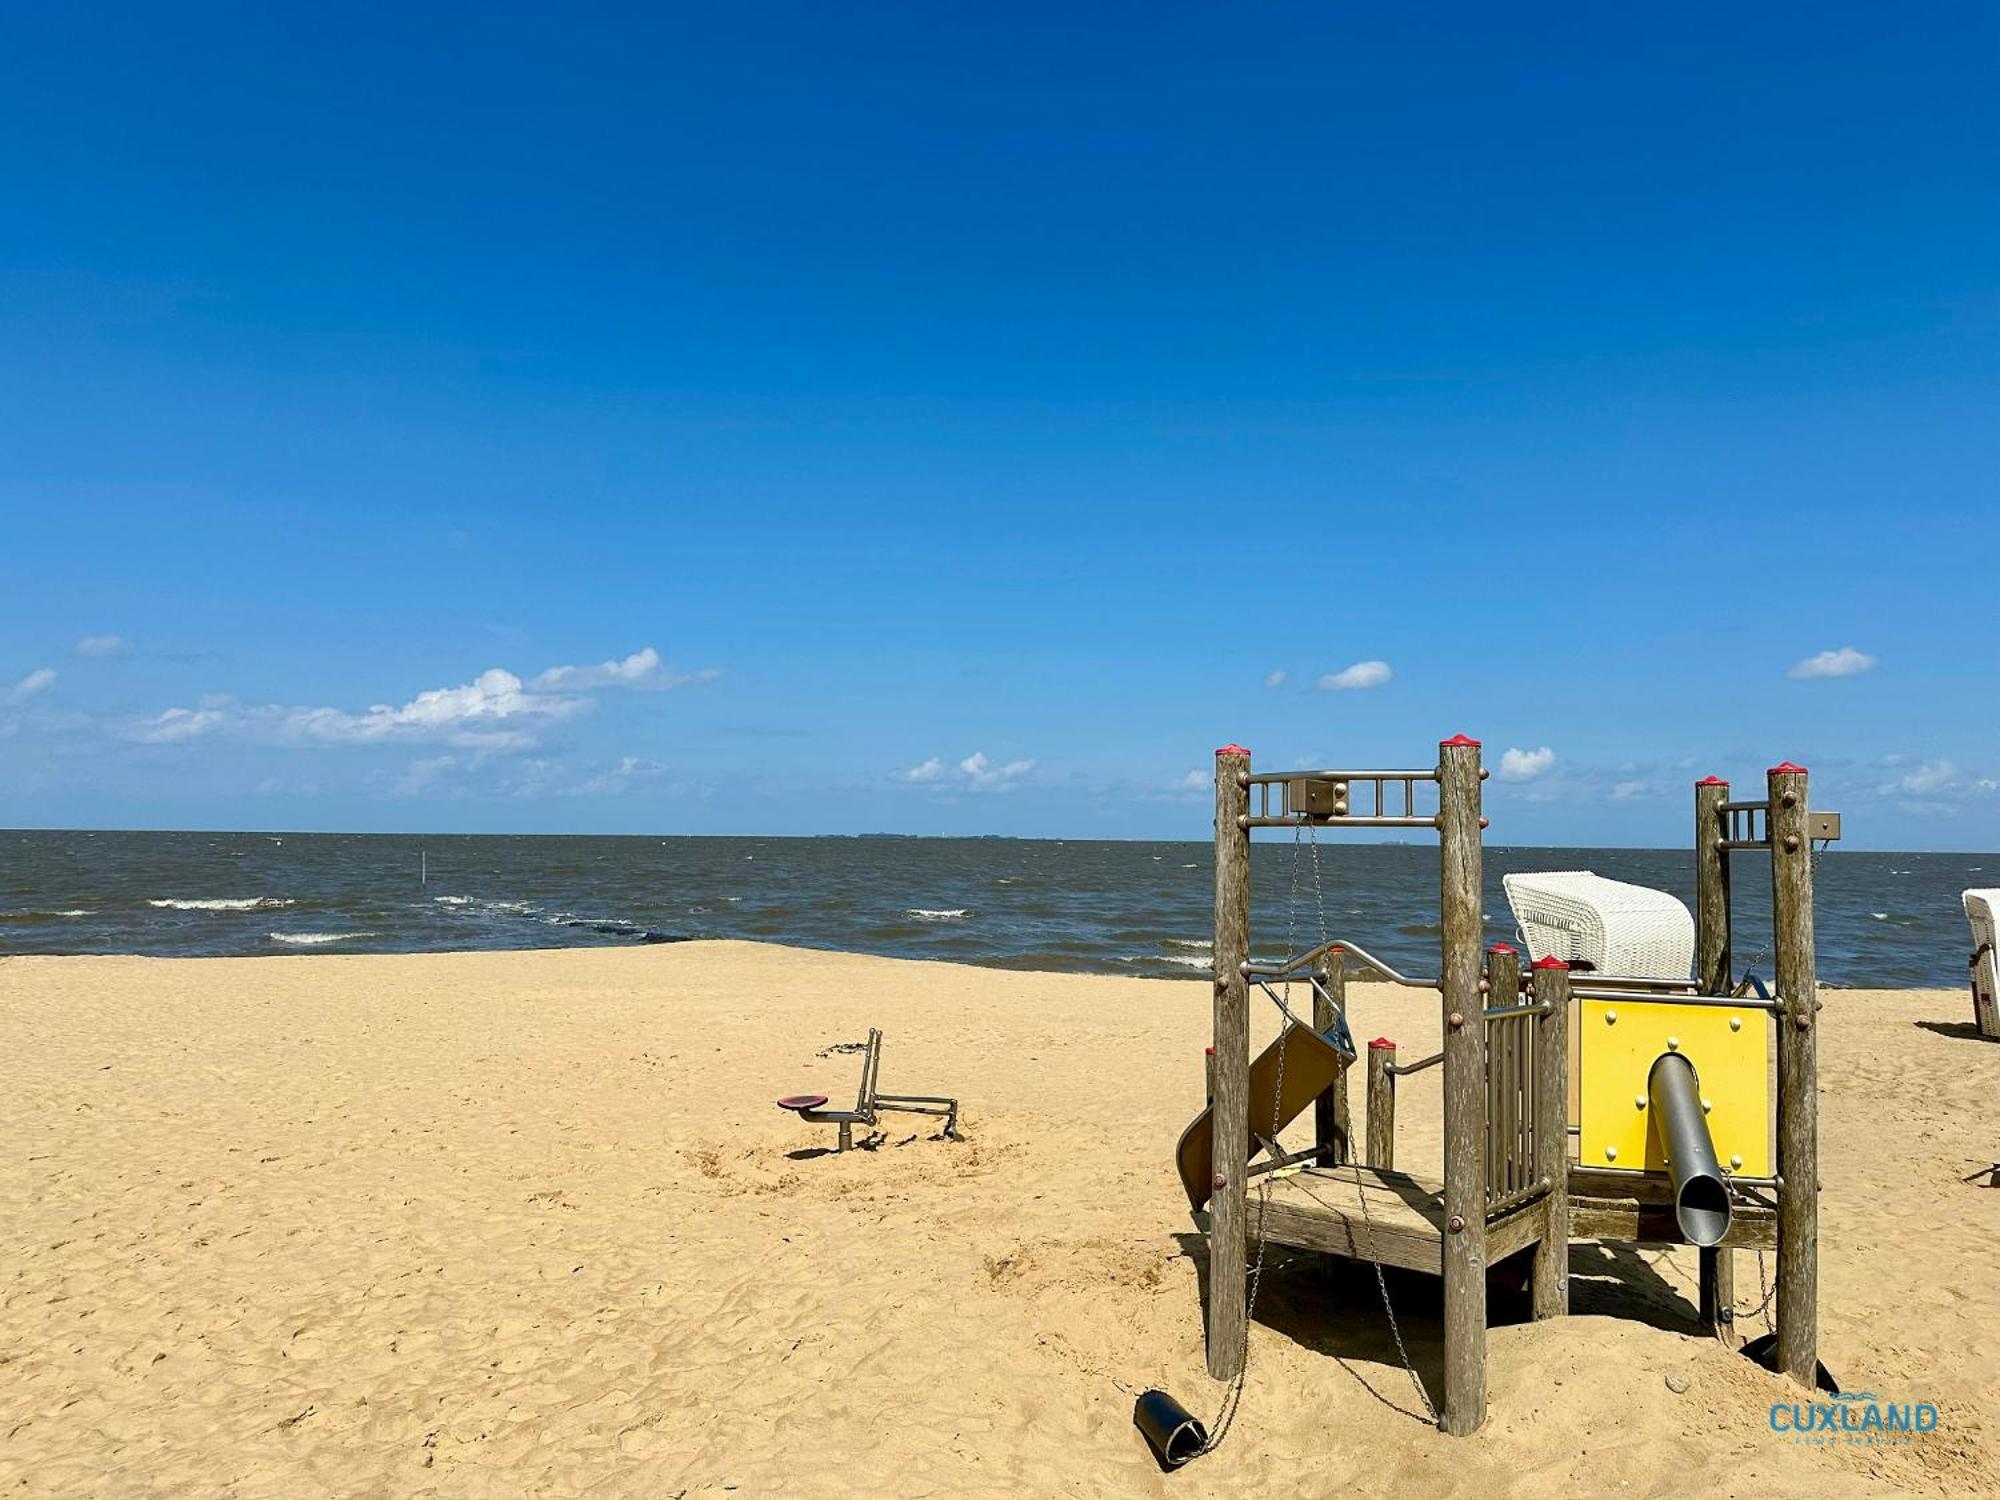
x,y
492,1224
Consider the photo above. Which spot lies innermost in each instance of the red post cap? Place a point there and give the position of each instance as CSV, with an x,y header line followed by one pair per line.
x,y
1381,1044
1459,739
1786,768
1711,781
1501,948
1232,749
1209,1050
1551,962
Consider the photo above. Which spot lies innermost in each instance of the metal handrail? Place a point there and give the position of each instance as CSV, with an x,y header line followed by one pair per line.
x,y
1775,1004
1291,967
1271,777
1508,1013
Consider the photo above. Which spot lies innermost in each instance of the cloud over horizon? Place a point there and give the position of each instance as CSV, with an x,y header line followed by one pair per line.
x,y
1357,678
496,711
1845,662
976,773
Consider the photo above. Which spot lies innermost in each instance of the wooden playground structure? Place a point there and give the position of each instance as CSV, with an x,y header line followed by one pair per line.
x,y
1674,1071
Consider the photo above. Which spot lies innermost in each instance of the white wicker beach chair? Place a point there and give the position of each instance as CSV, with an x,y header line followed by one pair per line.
x,y
1980,910
1616,928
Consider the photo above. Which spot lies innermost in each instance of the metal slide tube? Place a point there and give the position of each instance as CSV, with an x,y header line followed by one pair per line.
x,y
1701,1195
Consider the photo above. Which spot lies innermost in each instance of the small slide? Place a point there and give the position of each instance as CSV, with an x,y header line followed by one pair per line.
x,y
1312,1064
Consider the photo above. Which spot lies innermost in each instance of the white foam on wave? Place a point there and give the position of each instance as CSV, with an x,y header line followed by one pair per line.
x,y
1204,944
946,914
223,903
1184,960
313,939
453,900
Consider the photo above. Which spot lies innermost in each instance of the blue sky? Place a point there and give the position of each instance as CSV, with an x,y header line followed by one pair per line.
x,y
939,418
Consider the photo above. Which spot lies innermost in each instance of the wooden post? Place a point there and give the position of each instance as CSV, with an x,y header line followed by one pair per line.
x,y
1228,1330
1711,888
1332,1121
1551,1276
1798,1076
1712,966
1718,1292
1464,1405
1381,1104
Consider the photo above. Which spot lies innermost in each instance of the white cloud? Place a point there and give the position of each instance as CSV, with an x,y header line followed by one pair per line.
x,y
463,715
1931,777
38,681
1846,662
103,645
618,779
422,776
1363,674
1625,791
1196,781
1525,765
178,724
976,773
1277,679
495,711
642,668
987,777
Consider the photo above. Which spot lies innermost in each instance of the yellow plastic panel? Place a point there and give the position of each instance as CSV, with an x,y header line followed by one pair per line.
x,y
1729,1050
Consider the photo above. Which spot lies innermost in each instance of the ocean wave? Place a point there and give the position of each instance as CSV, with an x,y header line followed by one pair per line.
x,y
223,903
44,916
313,939
1180,960
944,914
1204,944
453,900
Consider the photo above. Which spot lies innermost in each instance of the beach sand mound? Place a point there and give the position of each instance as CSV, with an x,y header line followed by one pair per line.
x,y
529,1224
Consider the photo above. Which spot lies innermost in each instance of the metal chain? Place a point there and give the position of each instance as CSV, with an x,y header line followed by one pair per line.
x,y
1389,1307
1232,1398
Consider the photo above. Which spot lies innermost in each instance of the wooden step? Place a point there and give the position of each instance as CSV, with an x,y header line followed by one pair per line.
x,y
1363,1213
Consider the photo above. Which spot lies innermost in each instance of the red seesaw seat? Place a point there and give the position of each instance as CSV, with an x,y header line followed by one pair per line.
x,y
802,1101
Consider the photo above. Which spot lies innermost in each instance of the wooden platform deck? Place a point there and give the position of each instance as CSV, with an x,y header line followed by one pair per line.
x,y
1391,1217
1630,1210
1367,1214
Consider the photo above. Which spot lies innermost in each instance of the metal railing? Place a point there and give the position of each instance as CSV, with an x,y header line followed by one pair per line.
x,y
1326,799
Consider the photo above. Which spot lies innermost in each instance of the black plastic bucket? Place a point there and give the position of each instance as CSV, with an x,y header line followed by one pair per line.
x,y
1174,1434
